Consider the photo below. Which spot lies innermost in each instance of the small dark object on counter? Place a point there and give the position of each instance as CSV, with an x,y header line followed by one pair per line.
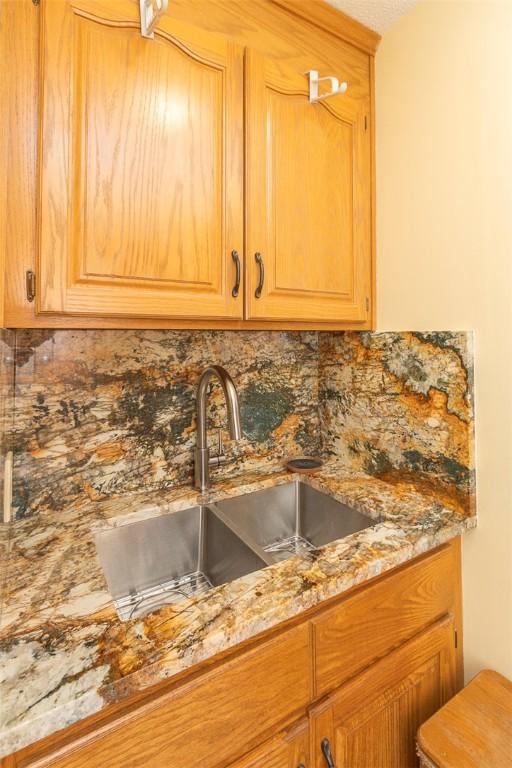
x,y
304,464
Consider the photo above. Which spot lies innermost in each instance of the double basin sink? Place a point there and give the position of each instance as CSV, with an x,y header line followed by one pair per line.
x,y
168,558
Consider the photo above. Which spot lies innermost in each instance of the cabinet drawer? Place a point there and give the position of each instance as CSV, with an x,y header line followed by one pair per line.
x,y
368,625
209,721
286,750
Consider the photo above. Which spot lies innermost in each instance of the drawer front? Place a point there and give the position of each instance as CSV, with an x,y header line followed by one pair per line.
x,y
211,720
286,750
368,625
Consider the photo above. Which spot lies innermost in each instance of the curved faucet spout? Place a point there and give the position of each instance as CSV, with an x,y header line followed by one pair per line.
x,y
202,454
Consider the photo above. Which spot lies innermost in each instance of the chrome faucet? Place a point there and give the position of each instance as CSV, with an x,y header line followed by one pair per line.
x,y
202,453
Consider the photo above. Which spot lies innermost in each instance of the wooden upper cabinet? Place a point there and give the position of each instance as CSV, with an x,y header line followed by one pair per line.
x,y
152,171
141,165
309,197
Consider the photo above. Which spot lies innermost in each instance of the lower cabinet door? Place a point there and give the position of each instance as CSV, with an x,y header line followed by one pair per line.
x,y
371,721
289,749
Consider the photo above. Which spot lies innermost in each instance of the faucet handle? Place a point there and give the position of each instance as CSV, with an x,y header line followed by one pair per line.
x,y
220,442
219,457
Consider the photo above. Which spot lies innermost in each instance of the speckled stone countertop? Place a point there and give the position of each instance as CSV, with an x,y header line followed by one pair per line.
x,y
64,653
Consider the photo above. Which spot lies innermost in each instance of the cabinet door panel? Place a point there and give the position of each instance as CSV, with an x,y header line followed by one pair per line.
x,y
141,172
309,198
286,750
309,187
368,625
373,720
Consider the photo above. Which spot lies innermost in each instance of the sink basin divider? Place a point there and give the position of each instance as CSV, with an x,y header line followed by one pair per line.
x,y
241,534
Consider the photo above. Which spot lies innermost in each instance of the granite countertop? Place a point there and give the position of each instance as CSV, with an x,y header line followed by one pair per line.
x,y
65,654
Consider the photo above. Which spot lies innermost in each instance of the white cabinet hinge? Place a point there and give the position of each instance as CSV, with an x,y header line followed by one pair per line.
x,y
314,82
151,11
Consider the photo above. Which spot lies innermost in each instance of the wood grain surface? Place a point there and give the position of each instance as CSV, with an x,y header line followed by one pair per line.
x,y
474,729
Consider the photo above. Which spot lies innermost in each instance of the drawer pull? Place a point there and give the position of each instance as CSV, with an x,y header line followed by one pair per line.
x,y
236,287
326,750
259,262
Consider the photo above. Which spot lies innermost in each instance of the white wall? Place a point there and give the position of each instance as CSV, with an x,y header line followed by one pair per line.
x,y
444,251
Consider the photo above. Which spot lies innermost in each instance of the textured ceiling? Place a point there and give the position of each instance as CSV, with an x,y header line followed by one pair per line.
x,y
379,15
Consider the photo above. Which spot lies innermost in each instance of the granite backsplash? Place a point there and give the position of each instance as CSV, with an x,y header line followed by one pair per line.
x,y
107,412
101,413
7,340
399,406
6,423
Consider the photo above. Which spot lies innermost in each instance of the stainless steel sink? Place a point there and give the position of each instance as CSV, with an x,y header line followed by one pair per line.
x,y
290,519
168,558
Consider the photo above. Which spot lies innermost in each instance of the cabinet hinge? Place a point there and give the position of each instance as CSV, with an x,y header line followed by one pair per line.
x,y
366,122
367,304
30,285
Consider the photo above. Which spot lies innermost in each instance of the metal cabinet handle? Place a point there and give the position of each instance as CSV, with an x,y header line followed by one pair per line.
x,y
236,287
259,262
326,749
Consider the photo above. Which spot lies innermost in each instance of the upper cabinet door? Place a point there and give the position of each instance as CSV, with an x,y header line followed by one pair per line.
x,y
309,198
141,165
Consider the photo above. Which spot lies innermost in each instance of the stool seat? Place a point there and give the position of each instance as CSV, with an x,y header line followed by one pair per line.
x,y
472,730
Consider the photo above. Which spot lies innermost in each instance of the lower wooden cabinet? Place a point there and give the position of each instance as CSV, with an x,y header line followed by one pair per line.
x,y
347,686
369,624
210,720
289,749
371,722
